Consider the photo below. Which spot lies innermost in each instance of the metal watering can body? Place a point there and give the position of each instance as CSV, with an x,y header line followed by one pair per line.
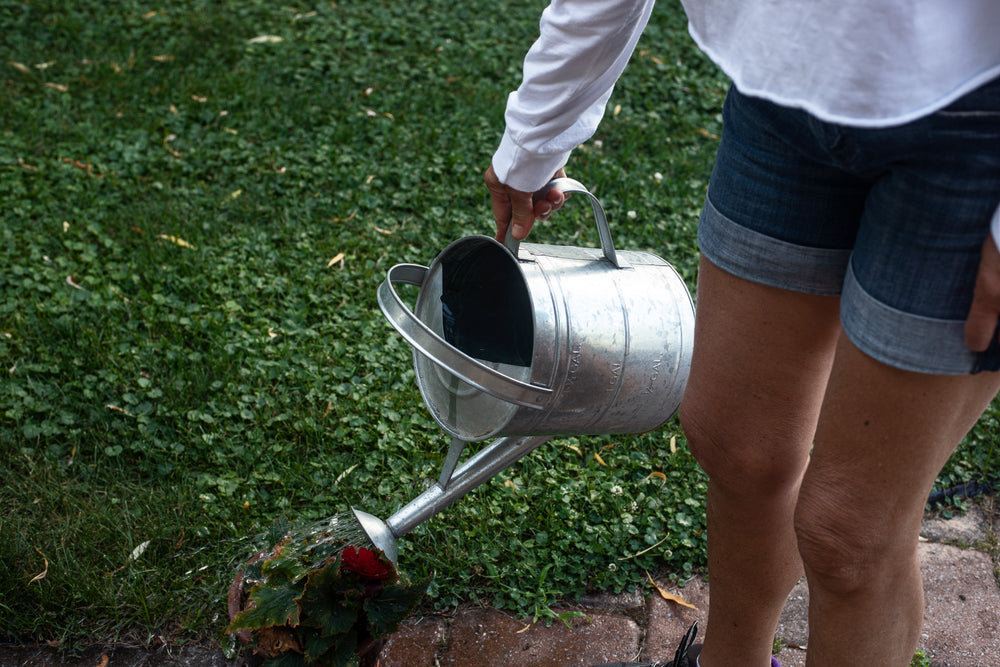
x,y
533,339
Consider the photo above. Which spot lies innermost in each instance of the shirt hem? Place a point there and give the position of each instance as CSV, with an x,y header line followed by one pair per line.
x,y
827,115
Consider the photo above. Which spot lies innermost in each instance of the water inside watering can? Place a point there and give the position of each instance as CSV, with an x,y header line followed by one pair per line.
x,y
485,307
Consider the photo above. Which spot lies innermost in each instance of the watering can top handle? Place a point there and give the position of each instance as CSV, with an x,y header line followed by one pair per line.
x,y
428,343
603,230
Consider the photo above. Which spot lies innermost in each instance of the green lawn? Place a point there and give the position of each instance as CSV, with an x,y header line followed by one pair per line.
x,y
199,200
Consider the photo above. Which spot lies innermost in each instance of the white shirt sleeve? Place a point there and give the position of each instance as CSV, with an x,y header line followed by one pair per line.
x,y
569,74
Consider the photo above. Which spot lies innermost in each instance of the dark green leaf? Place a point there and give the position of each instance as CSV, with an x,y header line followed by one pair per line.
x,y
317,645
393,604
343,654
325,606
275,605
287,561
287,659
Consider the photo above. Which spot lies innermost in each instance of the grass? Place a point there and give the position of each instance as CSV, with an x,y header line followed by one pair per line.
x,y
199,201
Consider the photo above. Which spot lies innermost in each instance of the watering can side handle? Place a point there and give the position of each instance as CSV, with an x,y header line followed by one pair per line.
x,y
444,354
603,229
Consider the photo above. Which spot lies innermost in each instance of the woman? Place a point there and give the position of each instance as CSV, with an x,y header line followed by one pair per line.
x,y
848,288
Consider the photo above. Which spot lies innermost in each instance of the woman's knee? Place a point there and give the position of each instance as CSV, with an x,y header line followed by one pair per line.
x,y
844,547
740,458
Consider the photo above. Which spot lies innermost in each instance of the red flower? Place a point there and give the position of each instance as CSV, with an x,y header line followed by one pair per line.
x,y
365,563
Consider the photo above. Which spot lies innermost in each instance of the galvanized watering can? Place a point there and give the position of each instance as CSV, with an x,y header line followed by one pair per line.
x,y
544,339
529,341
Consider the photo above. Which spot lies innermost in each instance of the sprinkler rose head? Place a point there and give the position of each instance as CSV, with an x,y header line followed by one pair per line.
x,y
378,532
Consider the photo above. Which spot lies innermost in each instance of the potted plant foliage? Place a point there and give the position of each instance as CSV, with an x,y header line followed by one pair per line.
x,y
315,599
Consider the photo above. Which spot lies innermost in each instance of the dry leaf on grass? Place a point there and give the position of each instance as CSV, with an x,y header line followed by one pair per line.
x,y
344,474
166,141
41,575
138,551
175,240
265,39
86,166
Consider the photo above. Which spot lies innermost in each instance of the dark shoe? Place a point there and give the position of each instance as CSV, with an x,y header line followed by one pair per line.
x,y
684,656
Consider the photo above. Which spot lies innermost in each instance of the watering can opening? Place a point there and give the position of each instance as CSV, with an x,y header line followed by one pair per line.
x,y
485,306
475,298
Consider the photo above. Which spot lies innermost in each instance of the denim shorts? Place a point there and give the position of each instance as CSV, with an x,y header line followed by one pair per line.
x,y
891,219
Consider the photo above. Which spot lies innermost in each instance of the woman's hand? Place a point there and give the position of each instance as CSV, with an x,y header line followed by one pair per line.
x,y
520,209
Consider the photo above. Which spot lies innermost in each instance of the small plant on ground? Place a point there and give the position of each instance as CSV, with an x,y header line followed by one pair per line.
x,y
316,599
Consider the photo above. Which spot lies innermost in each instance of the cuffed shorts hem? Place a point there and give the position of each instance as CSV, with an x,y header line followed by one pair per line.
x,y
764,259
932,345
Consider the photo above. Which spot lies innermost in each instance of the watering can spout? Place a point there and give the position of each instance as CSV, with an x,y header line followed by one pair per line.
x,y
380,535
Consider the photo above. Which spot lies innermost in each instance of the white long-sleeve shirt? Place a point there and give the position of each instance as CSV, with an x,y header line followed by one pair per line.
x,y
865,63
569,74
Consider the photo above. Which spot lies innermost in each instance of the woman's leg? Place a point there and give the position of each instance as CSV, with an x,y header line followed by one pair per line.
x,y
761,361
760,383
883,436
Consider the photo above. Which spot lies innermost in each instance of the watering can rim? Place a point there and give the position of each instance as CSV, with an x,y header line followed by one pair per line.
x,y
441,352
